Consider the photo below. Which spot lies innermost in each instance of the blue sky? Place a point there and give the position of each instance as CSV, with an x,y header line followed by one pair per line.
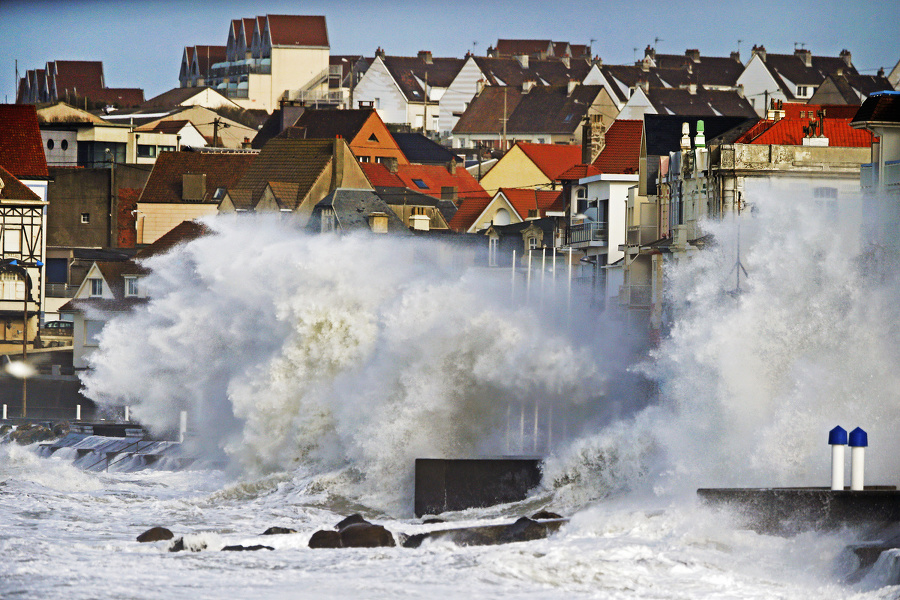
x,y
141,43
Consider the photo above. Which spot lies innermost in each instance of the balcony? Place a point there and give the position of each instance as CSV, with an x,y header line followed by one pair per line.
x,y
868,176
640,235
583,235
890,179
892,174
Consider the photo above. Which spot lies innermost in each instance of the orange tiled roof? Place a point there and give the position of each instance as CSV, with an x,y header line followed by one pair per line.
x,y
579,172
429,179
380,176
623,147
468,210
789,132
13,189
525,200
552,159
21,147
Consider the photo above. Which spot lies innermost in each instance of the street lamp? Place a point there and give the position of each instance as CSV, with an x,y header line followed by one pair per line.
x,y
14,266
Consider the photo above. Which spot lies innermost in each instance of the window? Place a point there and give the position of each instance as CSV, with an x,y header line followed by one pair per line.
x,y
421,184
377,102
532,213
11,287
825,192
64,144
12,240
146,151
493,246
532,243
85,218
364,159
49,144
372,138
167,148
327,220
131,286
96,287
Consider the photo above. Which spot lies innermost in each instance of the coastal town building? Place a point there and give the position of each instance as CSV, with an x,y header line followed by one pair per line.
x,y
76,82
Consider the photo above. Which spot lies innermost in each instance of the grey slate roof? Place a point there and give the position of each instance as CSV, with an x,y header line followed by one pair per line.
x,y
680,101
352,209
420,150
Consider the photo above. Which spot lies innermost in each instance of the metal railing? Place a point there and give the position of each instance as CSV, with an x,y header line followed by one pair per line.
x,y
584,233
892,173
868,176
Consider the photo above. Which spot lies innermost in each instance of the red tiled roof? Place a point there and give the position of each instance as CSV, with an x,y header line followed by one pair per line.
x,y
78,78
13,189
435,177
514,47
468,211
380,176
297,30
789,132
21,147
579,172
623,147
832,111
528,199
249,25
552,159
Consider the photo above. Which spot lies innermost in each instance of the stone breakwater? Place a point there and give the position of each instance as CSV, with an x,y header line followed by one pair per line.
x,y
356,532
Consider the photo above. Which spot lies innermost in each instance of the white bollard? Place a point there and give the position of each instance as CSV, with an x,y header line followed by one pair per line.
x,y
127,415
182,428
858,442
837,439
77,412
4,412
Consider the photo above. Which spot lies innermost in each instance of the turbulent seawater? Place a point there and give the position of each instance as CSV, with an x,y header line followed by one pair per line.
x,y
315,370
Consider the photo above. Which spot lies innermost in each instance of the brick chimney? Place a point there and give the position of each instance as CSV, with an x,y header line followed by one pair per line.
x,y
527,85
425,55
736,56
390,163
380,53
759,51
845,55
804,55
693,54
523,60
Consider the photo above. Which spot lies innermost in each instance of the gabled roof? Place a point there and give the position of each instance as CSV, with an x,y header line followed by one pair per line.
x,y
525,200
527,47
119,96
552,159
578,172
789,131
174,126
21,147
13,189
77,78
207,56
792,68
508,71
485,111
300,162
421,150
705,102
551,109
430,179
379,175
879,108
280,119
403,196
182,233
222,170
468,211
328,124
410,74
176,97
708,70
622,151
352,209
297,30
852,89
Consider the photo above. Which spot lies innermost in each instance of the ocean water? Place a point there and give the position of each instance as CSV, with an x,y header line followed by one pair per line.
x,y
314,370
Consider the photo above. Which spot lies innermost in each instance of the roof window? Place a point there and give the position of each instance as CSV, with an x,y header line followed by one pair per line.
x,y
422,185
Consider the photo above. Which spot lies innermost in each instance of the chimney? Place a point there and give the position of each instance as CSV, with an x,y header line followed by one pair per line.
x,y
880,72
527,85
685,136
692,88
479,87
390,163
644,84
700,138
380,53
845,55
193,187
759,51
740,90
337,163
523,60
450,192
693,54
378,222
804,55
451,166
419,222
650,52
425,55
566,61
736,56
571,87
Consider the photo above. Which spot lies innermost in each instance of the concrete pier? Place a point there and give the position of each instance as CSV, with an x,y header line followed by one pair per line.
x,y
790,510
457,484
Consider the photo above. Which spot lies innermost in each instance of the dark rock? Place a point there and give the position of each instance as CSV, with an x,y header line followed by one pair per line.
x,y
278,531
179,545
523,530
545,514
4,429
155,534
414,541
351,520
366,535
433,521
325,539
30,433
246,548
62,428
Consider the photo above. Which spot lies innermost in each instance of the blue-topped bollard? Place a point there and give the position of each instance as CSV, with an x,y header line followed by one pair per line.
x,y
837,438
859,439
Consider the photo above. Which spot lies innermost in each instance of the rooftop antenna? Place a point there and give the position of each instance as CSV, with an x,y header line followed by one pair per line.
x,y
656,41
634,54
801,44
474,46
739,46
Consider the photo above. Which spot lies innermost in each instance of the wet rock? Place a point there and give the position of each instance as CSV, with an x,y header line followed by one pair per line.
x,y
433,521
351,520
239,548
194,546
30,433
414,541
325,539
544,515
4,429
523,530
278,531
155,534
366,535
62,428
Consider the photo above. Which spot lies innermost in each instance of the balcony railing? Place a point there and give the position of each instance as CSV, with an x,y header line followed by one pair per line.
x,y
591,233
892,174
868,176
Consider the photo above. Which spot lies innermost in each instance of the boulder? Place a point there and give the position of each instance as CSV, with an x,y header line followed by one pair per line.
x,y
366,535
278,531
351,520
62,428
325,539
433,521
155,534
523,530
179,545
31,433
239,548
544,515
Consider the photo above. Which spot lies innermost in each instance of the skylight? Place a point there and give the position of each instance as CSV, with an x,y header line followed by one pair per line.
x,y
422,185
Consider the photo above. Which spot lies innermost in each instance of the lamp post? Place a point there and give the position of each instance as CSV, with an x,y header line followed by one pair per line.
x,y
15,266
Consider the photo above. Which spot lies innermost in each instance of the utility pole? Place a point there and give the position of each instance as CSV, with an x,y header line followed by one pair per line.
x,y
504,119
215,131
425,114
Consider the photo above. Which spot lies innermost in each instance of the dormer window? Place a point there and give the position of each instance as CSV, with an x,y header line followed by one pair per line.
x,y
96,287
131,287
